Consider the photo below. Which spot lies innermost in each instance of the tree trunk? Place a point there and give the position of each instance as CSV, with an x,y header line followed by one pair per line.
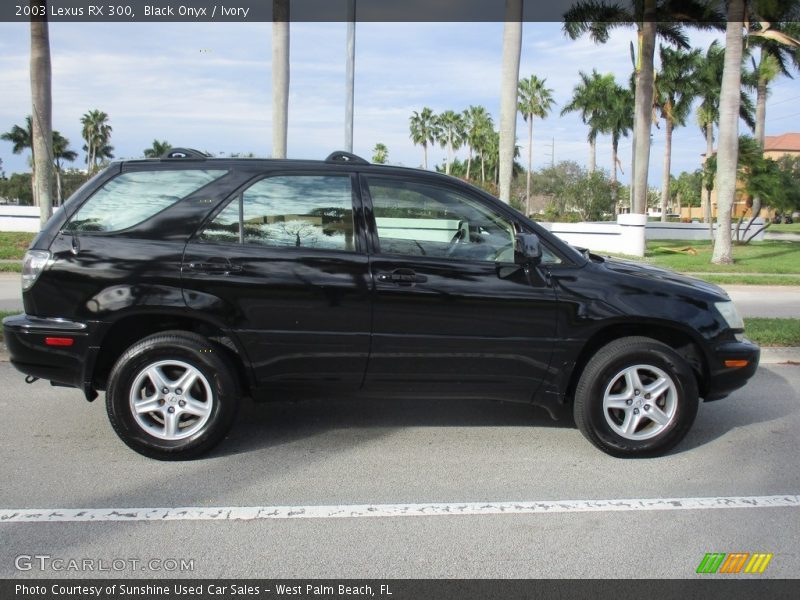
x,y
667,168
614,160
350,75
425,156
449,155
707,217
512,46
592,155
761,116
530,163
483,169
643,114
728,147
280,77
469,162
42,122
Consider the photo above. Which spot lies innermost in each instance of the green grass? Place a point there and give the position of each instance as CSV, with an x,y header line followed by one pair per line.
x,y
783,228
773,332
772,257
14,267
13,244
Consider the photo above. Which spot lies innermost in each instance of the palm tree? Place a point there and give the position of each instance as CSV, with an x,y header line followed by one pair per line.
x,y
617,120
61,152
535,100
727,152
97,134
509,79
157,149
424,131
280,77
708,77
589,98
380,154
676,89
450,134
477,121
42,101
21,139
665,18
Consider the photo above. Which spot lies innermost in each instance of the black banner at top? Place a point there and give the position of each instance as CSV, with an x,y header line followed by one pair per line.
x,y
155,11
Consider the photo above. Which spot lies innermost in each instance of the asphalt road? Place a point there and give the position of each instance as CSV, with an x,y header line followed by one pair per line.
x,y
751,300
59,452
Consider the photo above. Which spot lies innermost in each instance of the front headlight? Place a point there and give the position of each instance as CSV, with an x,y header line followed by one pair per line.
x,y
32,266
730,314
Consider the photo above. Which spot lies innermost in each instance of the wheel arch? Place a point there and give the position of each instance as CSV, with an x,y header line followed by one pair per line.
x,y
125,331
679,339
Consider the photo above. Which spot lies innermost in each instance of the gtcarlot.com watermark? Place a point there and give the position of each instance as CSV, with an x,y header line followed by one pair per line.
x,y
60,564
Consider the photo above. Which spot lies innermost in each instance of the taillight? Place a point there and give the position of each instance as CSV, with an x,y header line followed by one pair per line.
x,y
32,266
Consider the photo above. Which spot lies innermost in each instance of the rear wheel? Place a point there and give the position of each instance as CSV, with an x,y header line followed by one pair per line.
x,y
172,396
636,397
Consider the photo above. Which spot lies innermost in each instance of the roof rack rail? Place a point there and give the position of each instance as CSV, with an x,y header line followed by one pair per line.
x,y
340,156
184,153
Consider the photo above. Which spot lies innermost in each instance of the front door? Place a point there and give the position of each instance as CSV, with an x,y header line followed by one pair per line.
x,y
452,310
283,266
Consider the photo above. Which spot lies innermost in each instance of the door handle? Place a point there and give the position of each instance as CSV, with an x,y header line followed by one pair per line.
x,y
215,267
401,277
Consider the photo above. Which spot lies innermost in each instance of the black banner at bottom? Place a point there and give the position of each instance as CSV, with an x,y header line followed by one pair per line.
x,y
395,589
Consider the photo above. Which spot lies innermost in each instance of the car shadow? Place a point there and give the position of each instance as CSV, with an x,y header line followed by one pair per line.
x,y
745,407
276,423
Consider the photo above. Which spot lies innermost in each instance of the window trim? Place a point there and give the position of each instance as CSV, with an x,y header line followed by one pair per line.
x,y
359,224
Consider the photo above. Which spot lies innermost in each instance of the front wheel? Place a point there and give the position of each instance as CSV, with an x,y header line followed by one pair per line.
x,y
636,397
172,396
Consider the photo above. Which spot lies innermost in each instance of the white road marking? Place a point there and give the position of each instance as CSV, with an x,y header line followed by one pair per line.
x,y
351,511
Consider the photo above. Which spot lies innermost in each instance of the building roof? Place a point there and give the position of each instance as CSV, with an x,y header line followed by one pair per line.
x,y
788,142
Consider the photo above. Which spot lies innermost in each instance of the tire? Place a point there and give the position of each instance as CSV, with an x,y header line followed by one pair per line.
x,y
636,398
172,423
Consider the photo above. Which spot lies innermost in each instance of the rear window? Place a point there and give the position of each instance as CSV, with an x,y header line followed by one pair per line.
x,y
132,198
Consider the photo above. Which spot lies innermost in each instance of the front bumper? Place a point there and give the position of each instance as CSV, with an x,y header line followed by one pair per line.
x,y
724,379
25,337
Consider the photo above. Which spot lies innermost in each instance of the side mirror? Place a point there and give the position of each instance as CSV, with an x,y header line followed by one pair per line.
x,y
528,250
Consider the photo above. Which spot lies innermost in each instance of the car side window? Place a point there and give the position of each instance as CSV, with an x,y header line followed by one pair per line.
x,y
132,198
419,219
308,211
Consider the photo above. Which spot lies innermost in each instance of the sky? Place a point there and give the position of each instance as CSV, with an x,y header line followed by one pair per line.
x,y
208,86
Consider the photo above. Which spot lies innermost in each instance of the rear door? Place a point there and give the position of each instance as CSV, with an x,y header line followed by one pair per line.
x,y
452,311
283,265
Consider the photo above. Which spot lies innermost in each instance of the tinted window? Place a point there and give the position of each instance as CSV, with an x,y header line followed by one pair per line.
x,y
309,211
132,198
427,220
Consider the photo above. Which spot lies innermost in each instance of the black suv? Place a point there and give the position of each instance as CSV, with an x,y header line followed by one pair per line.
x,y
180,285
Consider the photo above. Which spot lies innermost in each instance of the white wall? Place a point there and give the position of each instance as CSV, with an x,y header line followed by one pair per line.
x,y
657,230
19,218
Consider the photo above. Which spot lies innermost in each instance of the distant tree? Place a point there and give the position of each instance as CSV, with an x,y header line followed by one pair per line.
x,y
477,125
61,153
157,149
590,99
424,131
380,154
97,135
676,89
535,100
451,133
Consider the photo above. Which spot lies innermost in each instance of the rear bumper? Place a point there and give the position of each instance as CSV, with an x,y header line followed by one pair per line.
x,y
725,379
26,338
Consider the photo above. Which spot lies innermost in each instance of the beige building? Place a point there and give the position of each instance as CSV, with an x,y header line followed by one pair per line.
x,y
775,147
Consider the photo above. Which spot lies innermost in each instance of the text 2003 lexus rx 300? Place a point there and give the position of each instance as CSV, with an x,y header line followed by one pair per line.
x,y
180,285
